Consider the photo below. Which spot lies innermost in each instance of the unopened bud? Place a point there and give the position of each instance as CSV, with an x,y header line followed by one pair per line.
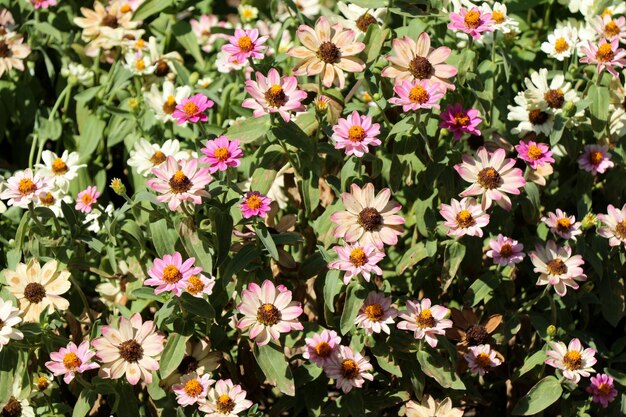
x,y
133,103
589,221
118,186
569,109
193,78
551,330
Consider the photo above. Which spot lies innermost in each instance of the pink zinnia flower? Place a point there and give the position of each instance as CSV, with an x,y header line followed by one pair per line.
x,y
505,251
25,187
376,314
171,274
203,28
417,94
273,94
199,285
465,217
416,60
614,227
192,389
43,4
225,399
610,28
71,360
355,133
492,175
595,159
562,225
87,198
606,55
573,360
473,22
357,259
368,218
481,359
268,311
536,154
350,369
221,153
191,109
180,181
255,204
557,267
133,349
426,321
602,390
321,348
459,120
245,44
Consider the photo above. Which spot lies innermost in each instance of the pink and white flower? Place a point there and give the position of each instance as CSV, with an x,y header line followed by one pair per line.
x,y
481,359
606,55
425,320
254,204
614,227
268,311
465,217
350,369
199,285
557,267
25,187
573,360
86,199
355,133
321,348
225,399
368,218
71,360
132,349
221,154
43,4
492,175
610,28
357,259
376,314
602,390
171,274
536,154
203,29
460,120
274,94
192,109
192,389
417,94
505,251
595,159
179,181
562,225
473,22
246,43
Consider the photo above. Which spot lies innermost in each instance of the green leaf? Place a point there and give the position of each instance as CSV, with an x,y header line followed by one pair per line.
x,y
197,306
275,368
250,129
439,369
8,365
374,39
184,35
173,353
266,239
85,401
545,393
91,134
150,8
163,238
354,301
530,363
242,259
411,257
194,246
332,287
612,296
456,253
599,107
482,289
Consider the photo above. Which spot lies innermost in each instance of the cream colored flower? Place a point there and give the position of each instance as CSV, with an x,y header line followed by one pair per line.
x,y
12,52
38,288
430,408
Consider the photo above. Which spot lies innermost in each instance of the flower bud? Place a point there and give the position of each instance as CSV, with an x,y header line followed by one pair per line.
x,y
551,330
569,109
193,78
589,221
118,186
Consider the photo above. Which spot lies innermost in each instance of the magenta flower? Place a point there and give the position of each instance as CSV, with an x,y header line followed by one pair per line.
x,y
245,44
357,259
321,348
426,321
602,389
355,133
191,109
595,159
376,314
87,198
417,94
71,360
273,94
536,154
481,359
192,389
459,120
614,227
473,22
171,274
350,369
562,225
221,153
255,204
180,181
606,55
465,217
505,251
573,360
43,4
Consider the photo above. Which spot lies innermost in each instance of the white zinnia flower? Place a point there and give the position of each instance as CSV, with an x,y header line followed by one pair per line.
x,y
146,155
60,169
138,64
164,102
359,18
551,95
9,318
561,43
531,117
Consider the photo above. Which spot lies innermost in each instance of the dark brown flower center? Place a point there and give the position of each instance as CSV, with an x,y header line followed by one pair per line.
x,y
554,98
425,319
374,312
483,360
168,108
563,225
34,293
268,314
464,219
110,21
275,96
42,383
620,229
595,157
477,335
489,178
604,389
572,360
224,404
5,50
162,69
364,21
370,219
556,267
506,250
131,351
187,365
421,68
13,408
329,53
159,157
323,350
179,183
349,369
537,117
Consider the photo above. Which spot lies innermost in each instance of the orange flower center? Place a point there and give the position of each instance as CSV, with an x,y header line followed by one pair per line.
x,y
193,388
71,361
620,229
472,19
26,186
483,360
506,250
425,320
605,53
86,199
461,119
42,383
59,167
179,183
561,45
572,360
254,202
170,105
464,219
595,157
323,350
534,152
604,389
374,312
194,285
606,12
358,257
268,314
275,96
419,95
221,154
498,17
157,158
611,29
349,369
171,274
245,44
563,225
556,267
190,108
224,404
356,134
140,44
47,200
125,8
489,178
140,65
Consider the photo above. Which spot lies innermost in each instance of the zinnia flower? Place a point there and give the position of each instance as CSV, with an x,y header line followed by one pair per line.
x,y
221,153
536,154
246,43
268,311
38,288
376,314
327,50
357,259
191,109
199,285
350,369
180,181
72,360
492,175
164,102
473,22
13,52
273,94
431,408
203,29
426,321
145,155
60,169
321,347
368,218
481,359
465,217
25,187
417,94
9,317
87,198
595,159
505,251
562,225
355,133
551,95
557,267
192,389
606,55
171,274
132,349
614,227
360,18
561,43
225,400
255,204
573,360
459,120
610,28
602,390
532,116
43,4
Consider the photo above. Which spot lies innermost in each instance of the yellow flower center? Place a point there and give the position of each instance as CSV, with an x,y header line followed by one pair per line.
x,y
47,200
358,257
498,17
374,312
179,183
268,314
275,96
323,350
140,65
572,360
563,225
595,157
534,152
224,404
245,44
461,119
425,319
561,45
170,105
190,108
171,274
194,285
221,154
247,14
464,219
483,360
59,167
71,361
42,383
419,95
472,19
606,12
125,8
556,267
140,44
157,158
605,53
349,369
611,29
356,134
26,186
254,202
193,388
